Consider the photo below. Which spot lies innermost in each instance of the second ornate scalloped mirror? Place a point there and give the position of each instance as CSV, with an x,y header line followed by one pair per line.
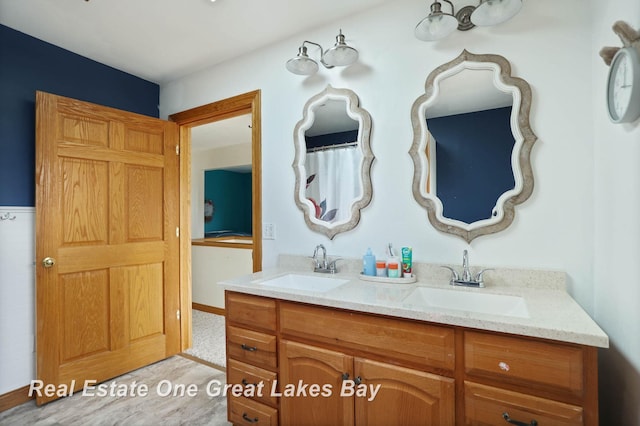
x,y
332,161
471,145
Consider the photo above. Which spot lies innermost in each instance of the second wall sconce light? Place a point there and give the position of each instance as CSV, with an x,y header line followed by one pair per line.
x,y
489,12
340,55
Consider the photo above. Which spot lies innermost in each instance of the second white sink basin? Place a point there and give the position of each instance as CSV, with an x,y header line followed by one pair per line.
x,y
316,284
470,301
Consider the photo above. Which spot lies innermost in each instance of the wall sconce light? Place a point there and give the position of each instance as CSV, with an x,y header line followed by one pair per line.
x,y
339,55
489,12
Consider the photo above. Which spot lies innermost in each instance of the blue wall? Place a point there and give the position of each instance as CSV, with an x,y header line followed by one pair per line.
x,y
473,154
231,196
27,65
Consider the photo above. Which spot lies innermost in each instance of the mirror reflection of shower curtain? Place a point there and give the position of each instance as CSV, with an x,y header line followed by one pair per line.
x,y
333,181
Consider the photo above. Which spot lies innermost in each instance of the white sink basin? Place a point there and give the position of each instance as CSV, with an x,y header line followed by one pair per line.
x,y
470,301
316,284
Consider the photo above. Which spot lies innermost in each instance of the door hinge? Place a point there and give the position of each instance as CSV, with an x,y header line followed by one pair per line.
x,y
178,314
177,149
177,231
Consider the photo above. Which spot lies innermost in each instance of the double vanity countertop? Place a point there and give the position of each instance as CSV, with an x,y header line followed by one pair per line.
x,y
526,303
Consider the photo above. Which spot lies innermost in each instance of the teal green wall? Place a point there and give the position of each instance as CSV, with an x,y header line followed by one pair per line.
x,y
231,196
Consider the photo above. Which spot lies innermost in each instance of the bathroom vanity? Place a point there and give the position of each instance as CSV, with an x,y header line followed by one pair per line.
x,y
359,352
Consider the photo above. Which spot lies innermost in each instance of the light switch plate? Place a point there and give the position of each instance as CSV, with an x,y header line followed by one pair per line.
x,y
268,231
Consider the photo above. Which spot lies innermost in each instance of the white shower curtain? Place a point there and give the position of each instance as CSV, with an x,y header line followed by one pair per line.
x,y
333,181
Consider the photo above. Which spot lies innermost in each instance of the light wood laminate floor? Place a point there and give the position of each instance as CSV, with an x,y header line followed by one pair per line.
x,y
153,409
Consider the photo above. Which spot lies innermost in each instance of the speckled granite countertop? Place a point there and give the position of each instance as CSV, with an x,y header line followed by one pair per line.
x,y
552,312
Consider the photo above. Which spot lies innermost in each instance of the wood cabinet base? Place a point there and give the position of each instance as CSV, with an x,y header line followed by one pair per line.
x,y
398,371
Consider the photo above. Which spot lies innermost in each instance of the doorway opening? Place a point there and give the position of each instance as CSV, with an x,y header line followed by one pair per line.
x,y
247,104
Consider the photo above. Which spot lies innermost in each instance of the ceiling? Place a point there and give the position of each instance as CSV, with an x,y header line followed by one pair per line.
x,y
231,131
162,40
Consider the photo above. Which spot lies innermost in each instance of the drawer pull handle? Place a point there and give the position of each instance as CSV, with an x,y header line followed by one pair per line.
x,y
245,383
249,419
508,419
504,366
345,376
249,348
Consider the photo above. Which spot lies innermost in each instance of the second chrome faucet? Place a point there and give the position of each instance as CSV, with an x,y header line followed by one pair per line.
x,y
467,279
323,265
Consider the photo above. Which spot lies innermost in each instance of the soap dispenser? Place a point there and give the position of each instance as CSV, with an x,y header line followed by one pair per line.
x,y
369,263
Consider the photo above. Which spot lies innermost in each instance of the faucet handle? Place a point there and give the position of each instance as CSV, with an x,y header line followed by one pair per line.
x,y
454,274
332,265
480,275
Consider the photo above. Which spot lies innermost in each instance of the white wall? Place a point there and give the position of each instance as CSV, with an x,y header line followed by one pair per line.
x,y
585,168
212,265
617,230
17,297
548,44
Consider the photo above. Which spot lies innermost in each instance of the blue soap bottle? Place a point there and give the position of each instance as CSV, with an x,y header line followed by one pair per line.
x,y
369,263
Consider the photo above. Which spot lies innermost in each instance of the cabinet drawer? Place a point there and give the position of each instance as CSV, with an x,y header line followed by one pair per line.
x,y
245,374
486,405
394,338
254,311
251,347
243,411
542,365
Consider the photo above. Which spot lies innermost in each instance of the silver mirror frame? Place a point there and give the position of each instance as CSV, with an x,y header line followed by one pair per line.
x,y
364,119
521,164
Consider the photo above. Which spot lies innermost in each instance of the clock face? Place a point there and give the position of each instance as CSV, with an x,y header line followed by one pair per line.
x,y
623,91
621,85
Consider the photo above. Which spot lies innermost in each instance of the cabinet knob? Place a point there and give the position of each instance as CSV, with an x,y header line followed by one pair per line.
x,y
508,419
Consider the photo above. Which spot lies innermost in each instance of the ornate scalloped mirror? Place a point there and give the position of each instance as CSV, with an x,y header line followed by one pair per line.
x,y
332,161
471,145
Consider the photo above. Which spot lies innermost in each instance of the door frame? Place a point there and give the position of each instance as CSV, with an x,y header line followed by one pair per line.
x,y
227,108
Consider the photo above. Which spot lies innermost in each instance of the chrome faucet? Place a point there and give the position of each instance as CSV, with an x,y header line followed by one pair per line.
x,y
324,265
467,279
466,273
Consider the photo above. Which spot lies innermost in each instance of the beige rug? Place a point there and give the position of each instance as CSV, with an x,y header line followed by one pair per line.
x,y
208,338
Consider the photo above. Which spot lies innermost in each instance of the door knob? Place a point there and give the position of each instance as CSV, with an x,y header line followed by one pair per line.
x,y
48,262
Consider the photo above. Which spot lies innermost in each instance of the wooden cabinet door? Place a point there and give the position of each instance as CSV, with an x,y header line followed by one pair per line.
x,y
303,366
405,396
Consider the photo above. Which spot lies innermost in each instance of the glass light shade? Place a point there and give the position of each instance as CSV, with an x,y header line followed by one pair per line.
x,y
340,56
302,64
493,12
436,26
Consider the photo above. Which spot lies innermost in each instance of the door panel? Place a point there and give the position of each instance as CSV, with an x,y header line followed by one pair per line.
x,y
84,298
306,364
107,190
406,396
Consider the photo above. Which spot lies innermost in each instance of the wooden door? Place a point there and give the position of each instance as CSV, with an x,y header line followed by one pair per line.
x,y
107,295
405,397
305,365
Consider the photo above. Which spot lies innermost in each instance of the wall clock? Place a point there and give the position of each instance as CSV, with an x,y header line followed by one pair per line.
x,y
623,86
